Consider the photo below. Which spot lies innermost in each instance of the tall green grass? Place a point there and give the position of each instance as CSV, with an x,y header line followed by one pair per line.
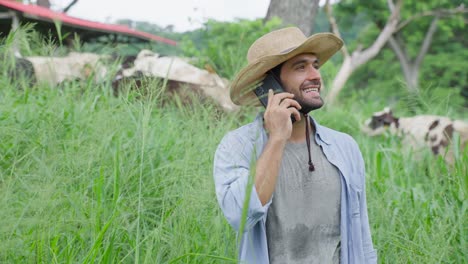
x,y
86,177
418,205
89,178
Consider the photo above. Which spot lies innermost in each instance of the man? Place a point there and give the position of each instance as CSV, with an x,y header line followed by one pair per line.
x,y
306,198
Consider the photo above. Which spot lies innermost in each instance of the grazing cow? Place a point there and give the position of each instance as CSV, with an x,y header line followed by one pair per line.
x,y
74,66
17,69
435,132
180,74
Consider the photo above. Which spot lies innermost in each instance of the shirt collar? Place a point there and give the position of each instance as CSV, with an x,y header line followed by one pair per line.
x,y
320,132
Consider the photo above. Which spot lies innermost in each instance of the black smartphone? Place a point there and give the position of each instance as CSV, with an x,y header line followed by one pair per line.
x,y
270,82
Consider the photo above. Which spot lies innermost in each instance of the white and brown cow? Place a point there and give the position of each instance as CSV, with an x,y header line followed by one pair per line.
x,y
180,73
421,131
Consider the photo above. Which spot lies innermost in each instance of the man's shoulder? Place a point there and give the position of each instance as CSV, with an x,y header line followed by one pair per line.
x,y
244,134
336,136
248,130
240,132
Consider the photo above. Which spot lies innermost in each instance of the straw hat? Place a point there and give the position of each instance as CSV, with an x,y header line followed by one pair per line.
x,y
273,49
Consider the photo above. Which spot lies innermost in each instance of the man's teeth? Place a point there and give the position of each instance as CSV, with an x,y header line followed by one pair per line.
x,y
308,90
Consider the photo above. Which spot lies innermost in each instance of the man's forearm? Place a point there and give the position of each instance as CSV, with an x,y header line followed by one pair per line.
x,y
267,168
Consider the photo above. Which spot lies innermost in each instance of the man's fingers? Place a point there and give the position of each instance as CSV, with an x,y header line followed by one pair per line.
x,y
270,97
290,103
295,113
277,98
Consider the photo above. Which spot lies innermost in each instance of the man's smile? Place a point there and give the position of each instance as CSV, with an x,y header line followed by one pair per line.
x,y
311,88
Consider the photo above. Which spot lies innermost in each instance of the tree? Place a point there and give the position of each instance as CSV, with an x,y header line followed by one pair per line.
x,y
411,65
300,13
410,46
351,61
43,3
222,46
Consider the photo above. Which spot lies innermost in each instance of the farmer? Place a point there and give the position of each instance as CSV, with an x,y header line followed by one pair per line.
x,y
305,183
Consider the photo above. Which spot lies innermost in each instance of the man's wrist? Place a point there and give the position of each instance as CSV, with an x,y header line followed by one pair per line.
x,y
277,139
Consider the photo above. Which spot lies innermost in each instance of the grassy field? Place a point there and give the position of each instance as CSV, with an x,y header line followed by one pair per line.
x,y
86,177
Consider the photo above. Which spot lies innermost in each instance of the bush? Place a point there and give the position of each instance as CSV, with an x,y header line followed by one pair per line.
x,y
223,45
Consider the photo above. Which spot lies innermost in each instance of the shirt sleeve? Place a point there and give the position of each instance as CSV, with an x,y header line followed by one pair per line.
x,y
234,181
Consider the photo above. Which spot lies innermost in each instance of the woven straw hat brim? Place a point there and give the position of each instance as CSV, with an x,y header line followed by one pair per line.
x,y
323,45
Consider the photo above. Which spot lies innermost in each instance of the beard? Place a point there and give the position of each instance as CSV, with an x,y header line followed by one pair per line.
x,y
309,105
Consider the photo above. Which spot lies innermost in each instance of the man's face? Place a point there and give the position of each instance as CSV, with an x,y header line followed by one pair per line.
x,y
301,77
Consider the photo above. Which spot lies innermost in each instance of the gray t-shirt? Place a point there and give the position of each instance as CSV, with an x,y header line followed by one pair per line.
x,y
303,221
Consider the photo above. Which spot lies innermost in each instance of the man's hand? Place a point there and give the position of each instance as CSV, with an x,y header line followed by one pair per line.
x,y
278,114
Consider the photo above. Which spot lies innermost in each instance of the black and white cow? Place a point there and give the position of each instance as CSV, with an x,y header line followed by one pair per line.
x,y
435,132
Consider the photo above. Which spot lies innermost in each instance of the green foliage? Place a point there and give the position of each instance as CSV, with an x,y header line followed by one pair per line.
x,y
31,43
438,95
447,68
223,45
442,68
89,178
86,177
360,22
448,27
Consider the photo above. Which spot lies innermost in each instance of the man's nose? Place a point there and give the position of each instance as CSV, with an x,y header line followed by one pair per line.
x,y
313,73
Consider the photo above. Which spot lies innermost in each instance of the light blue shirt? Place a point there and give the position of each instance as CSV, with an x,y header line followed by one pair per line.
x,y
232,162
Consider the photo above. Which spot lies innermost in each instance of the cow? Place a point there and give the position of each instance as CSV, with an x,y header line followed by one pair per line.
x,y
17,70
180,76
73,66
421,131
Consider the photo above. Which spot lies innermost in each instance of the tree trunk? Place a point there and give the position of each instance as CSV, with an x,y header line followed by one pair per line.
x,y
43,3
300,13
340,79
409,67
405,63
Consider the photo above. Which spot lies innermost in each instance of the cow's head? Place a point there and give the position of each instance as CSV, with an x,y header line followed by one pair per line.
x,y
379,122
